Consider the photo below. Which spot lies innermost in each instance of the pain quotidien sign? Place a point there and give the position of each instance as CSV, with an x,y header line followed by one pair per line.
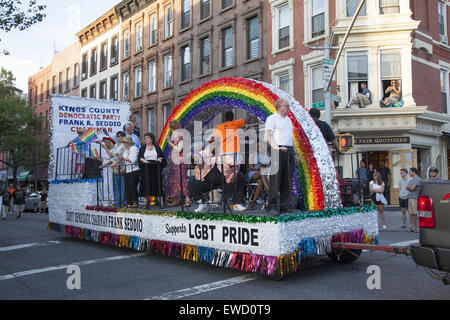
x,y
383,140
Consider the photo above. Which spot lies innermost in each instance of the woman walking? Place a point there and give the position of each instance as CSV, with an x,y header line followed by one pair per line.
x,y
129,159
377,196
151,161
177,181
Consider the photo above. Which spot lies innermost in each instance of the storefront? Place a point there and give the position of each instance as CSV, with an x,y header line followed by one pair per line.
x,y
397,138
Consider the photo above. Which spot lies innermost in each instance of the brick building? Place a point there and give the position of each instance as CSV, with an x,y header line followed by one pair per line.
x,y
170,47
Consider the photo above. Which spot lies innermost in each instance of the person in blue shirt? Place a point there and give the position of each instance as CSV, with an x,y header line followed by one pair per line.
x,y
129,130
362,99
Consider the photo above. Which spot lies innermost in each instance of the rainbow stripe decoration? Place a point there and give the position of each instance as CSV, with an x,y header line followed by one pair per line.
x,y
88,136
74,148
317,183
94,153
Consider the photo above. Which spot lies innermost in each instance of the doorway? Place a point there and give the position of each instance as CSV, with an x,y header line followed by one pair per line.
x,y
398,160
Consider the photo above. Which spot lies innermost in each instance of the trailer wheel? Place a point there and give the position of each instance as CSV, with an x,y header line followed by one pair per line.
x,y
273,277
345,256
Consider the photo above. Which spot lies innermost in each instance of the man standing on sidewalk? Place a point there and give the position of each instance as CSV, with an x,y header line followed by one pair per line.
x,y
404,195
413,188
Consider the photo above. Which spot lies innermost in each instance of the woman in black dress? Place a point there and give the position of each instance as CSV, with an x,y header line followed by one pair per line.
x,y
152,162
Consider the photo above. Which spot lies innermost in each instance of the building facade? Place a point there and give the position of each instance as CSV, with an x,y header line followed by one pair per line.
x,y
100,57
398,40
171,47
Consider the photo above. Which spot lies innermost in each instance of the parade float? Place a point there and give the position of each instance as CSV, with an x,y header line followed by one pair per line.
x,y
258,243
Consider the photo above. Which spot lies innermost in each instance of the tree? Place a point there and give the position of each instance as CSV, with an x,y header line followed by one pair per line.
x,y
19,129
16,15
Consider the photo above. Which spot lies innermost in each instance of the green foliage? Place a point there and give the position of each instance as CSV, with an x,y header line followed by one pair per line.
x,y
17,15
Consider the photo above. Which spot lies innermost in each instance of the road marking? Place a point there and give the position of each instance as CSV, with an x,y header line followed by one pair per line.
x,y
28,245
65,266
180,294
404,243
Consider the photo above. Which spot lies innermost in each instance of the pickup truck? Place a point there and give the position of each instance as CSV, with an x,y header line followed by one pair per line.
x,y
433,249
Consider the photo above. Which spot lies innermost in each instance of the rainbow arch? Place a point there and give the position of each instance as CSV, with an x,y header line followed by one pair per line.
x,y
316,173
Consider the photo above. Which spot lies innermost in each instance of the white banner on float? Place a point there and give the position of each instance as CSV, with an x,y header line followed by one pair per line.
x,y
68,113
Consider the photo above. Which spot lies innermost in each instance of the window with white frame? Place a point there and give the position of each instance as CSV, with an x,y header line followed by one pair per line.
x,y
67,79
76,74
357,72
389,6
205,6
391,70
317,83
185,63
84,66
137,82
151,120
168,18
227,47
114,49
317,18
444,94
126,44
126,85
153,29
103,89
442,22
139,36
152,76
284,81
205,56
167,70
93,91
352,5
186,14
114,88
283,26
103,55
93,61
253,38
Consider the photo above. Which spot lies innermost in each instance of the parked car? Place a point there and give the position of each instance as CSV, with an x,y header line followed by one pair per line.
x,y
32,202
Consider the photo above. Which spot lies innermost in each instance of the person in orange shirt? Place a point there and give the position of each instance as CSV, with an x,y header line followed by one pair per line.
x,y
11,191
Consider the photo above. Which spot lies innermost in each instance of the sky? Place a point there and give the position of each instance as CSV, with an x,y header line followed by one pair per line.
x,y
33,48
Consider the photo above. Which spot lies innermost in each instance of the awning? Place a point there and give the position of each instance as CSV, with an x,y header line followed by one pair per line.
x,y
24,175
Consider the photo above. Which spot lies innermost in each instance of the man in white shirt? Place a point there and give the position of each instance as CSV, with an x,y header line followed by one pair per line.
x,y
279,135
403,195
129,130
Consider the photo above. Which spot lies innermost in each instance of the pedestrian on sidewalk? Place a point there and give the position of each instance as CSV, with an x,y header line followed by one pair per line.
x,y
376,195
404,195
5,202
413,188
19,201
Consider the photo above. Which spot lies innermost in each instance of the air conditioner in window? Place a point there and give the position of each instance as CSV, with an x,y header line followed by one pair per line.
x,y
443,38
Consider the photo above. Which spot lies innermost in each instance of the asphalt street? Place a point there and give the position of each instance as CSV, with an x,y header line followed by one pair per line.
x,y
34,264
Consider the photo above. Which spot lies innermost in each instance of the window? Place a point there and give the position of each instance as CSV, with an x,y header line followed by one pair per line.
x,y
138,82
67,79
138,37
60,83
47,92
352,5
284,82
357,72
227,47
151,120
93,61
186,14
253,38
167,70
103,90
126,44
93,91
317,95
114,50
318,18
444,86
167,110
185,63
442,22
46,119
205,7
84,66
42,92
103,56
168,21
389,6
125,81
114,88
390,69
76,75
30,97
283,27
153,29
35,95
205,56
84,93
152,76
54,84
226,3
